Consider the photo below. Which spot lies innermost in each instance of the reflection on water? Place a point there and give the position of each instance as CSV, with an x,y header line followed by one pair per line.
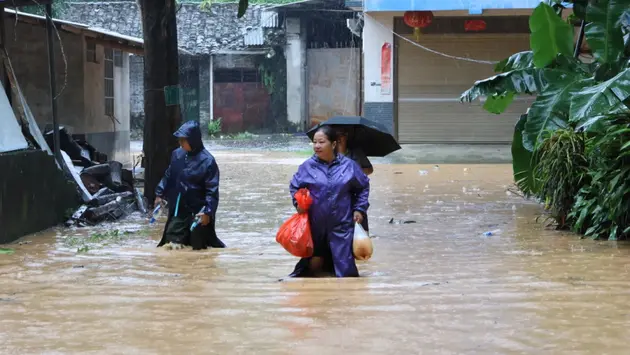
x,y
435,286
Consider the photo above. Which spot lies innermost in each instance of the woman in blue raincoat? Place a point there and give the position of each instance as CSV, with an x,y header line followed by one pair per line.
x,y
191,187
340,192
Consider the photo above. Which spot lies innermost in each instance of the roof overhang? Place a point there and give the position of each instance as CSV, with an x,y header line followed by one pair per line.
x,y
98,35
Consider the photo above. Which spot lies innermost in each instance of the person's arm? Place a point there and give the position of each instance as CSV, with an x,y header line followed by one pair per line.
x,y
212,188
364,162
297,182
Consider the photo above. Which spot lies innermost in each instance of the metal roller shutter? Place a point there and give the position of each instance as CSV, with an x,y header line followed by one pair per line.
x,y
429,86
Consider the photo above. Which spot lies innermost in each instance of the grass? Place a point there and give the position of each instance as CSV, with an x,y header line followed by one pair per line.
x,y
101,239
5,251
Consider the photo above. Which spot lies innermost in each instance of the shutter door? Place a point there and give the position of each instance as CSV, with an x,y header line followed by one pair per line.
x,y
429,86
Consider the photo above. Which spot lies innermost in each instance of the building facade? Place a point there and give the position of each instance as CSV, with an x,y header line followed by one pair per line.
x,y
412,81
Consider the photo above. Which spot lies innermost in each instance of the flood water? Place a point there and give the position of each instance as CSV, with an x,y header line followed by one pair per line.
x,y
437,286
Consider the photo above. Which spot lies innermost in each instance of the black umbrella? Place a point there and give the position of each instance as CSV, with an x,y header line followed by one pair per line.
x,y
373,138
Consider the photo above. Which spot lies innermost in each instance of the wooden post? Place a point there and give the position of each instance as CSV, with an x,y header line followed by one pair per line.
x,y
53,83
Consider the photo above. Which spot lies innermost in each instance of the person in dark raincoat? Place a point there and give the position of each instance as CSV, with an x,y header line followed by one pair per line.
x,y
191,187
356,154
340,192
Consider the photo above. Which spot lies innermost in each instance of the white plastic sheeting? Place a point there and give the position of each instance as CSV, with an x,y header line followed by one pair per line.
x,y
11,137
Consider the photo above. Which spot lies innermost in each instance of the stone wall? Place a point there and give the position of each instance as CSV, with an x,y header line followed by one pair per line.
x,y
34,194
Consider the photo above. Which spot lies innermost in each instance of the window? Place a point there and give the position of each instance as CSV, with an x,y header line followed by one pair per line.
x,y
236,76
109,82
118,58
90,52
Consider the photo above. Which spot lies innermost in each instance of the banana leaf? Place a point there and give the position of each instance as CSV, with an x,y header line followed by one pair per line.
x,y
550,36
522,81
551,109
522,163
603,33
520,60
597,99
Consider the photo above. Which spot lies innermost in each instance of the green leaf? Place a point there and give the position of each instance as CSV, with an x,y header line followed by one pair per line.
x,y
6,251
603,33
601,98
523,81
242,7
520,60
497,104
550,111
522,164
550,35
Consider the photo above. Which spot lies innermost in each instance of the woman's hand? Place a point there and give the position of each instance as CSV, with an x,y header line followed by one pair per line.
x,y
158,201
358,217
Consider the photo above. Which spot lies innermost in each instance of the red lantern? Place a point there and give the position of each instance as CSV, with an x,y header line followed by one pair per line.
x,y
418,20
474,25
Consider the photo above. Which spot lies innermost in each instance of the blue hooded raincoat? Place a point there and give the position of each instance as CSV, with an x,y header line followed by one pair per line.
x,y
192,182
338,189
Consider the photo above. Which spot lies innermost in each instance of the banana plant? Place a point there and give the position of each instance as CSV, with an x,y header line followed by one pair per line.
x,y
569,93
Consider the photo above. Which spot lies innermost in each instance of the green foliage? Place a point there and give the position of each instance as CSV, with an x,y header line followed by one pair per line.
x,y
561,166
550,35
602,207
214,127
6,251
98,239
567,151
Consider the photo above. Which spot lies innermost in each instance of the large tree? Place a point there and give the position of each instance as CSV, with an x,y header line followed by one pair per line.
x,y
161,76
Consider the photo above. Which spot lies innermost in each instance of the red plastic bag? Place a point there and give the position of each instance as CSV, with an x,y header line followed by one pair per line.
x,y
295,234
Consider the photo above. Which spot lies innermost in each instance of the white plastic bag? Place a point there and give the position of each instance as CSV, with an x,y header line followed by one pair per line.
x,y
361,243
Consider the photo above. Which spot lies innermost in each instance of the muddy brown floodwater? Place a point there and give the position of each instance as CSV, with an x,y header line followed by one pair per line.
x,y
437,286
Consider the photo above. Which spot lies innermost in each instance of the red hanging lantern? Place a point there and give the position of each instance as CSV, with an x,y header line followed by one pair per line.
x,y
418,20
474,25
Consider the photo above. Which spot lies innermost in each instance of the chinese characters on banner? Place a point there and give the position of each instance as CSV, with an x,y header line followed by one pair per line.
x,y
386,69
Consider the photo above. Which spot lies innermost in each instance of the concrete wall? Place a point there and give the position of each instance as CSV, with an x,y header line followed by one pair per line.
x,y
377,30
295,52
122,109
29,56
136,94
333,80
471,6
34,194
109,135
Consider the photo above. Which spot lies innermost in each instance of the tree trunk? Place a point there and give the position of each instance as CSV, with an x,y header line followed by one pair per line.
x,y
161,69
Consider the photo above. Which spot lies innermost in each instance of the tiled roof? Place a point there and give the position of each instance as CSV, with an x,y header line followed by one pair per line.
x,y
198,31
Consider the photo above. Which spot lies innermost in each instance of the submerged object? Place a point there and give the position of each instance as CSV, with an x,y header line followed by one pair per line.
x,y
156,213
196,222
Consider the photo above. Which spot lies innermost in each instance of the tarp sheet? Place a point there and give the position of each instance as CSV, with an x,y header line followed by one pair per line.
x,y
23,106
11,137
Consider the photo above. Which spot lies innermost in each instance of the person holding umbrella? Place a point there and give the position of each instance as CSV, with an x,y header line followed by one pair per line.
x,y
359,138
355,153
340,192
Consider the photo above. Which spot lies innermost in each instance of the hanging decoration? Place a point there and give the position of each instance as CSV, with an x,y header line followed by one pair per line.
x,y
474,25
418,20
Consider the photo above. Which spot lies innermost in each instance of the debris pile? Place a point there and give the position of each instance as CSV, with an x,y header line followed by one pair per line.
x,y
109,192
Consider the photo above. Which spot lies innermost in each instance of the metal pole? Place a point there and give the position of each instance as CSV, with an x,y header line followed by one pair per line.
x,y
53,82
580,39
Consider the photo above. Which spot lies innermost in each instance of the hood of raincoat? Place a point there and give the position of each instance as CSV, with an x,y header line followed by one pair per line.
x,y
191,131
